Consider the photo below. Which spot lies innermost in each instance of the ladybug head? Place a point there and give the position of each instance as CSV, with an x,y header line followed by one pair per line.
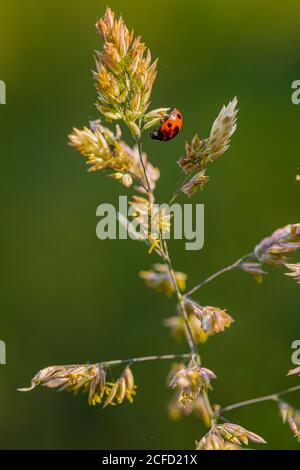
x,y
156,135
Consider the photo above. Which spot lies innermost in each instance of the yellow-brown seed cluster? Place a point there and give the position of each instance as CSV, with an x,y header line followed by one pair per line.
x,y
295,271
198,181
203,321
177,327
291,416
295,371
91,379
228,436
104,150
255,269
196,407
213,319
160,279
125,73
123,388
273,249
191,381
200,152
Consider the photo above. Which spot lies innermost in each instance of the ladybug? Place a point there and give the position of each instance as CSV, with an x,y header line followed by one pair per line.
x,y
169,128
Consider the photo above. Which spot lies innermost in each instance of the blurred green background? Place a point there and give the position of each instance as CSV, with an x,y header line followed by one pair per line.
x,y
67,297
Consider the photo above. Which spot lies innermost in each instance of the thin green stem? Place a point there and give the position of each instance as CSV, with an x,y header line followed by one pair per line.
x,y
190,338
133,360
172,199
139,143
195,356
209,408
236,264
193,347
253,401
179,186
140,183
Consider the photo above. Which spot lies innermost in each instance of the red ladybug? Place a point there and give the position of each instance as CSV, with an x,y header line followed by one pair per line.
x,y
169,128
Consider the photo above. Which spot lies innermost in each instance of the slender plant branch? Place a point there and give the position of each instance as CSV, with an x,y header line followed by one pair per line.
x,y
133,360
190,339
236,264
190,301
139,143
137,179
193,347
253,401
179,187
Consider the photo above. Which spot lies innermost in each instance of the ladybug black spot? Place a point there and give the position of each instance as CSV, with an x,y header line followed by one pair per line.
x,y
179,116
169,124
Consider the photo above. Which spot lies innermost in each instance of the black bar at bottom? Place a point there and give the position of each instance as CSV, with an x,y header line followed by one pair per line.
x,y
134,458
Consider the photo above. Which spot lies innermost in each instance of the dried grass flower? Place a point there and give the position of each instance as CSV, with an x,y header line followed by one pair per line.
x,y
239,435
160,279
203,322
255,269
198,181
178,330
214,441
200,152
295,268
125,73
104,150
190,381
295,371
123,388
196,407
90,378
273,249
154,117
213,319
291,416
228,436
